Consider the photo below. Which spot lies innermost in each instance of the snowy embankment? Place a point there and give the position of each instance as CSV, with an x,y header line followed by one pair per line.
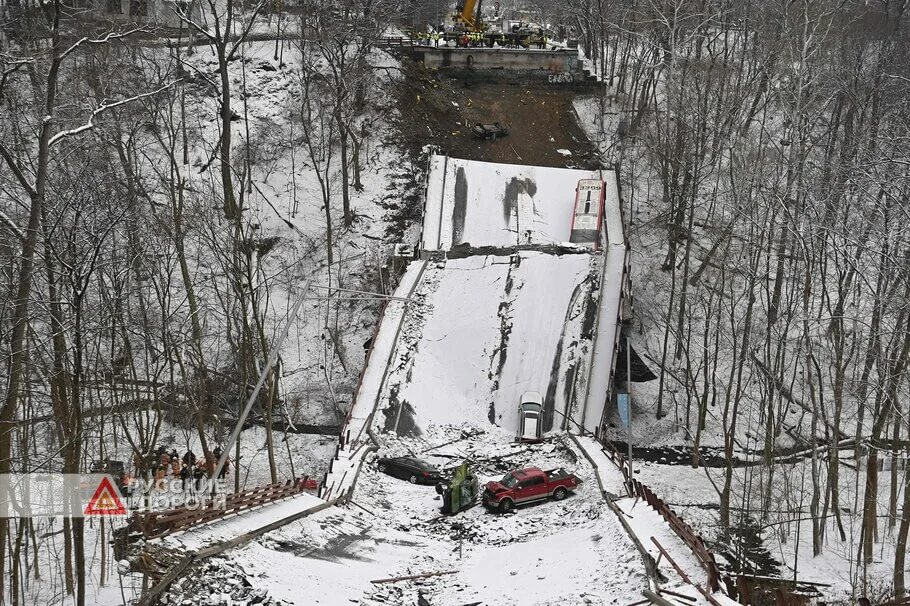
x,y
771,506
284,206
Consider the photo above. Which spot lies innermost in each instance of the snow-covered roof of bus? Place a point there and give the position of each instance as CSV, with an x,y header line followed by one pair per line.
x,y
491,204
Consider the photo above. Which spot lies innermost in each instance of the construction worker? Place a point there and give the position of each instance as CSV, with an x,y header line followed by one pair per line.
x,y
175,462
227,461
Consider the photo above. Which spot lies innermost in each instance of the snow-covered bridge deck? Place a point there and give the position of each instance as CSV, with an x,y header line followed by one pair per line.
x,y
489,204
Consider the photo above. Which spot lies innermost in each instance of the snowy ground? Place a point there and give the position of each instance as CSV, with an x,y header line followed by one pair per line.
x,y
570,552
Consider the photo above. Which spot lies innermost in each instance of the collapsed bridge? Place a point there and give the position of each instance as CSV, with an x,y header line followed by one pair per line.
x,y
498,302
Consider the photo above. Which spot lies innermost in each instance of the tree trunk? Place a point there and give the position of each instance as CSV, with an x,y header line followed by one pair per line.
x,y
18,343
900,553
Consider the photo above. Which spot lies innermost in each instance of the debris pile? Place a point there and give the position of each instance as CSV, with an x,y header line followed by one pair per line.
x,y
214,583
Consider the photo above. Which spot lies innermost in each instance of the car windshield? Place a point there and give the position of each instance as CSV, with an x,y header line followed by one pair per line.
x,y
509,481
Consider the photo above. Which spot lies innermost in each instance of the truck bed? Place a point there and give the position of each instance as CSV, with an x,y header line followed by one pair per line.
x,y
557,474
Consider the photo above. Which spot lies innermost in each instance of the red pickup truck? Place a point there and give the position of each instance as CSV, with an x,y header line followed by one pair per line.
x,y
528,485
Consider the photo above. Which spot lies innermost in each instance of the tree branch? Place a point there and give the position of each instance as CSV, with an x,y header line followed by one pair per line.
x,y
90,124
110,36
186,19
12,226
17,171
246,29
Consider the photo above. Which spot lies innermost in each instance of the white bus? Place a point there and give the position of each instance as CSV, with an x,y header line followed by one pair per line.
x,y
588,216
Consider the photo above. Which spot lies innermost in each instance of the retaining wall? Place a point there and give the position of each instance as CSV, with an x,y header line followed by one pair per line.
x,y
558,67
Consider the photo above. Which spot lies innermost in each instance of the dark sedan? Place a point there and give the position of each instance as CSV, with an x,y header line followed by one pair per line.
x,y
413,470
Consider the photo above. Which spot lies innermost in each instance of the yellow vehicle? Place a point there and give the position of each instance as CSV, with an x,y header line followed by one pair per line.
x,y
467,15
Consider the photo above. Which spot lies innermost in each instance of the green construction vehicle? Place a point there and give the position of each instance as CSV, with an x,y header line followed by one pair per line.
x,y
461,491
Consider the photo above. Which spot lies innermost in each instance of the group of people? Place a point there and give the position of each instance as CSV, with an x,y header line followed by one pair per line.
x,y
162,464
479,39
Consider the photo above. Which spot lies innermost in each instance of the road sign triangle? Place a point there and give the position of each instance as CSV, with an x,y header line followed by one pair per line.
x,y
106,500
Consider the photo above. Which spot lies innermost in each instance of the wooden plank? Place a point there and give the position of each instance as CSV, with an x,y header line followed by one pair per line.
x,y
656,599
414,576
682,596
673,563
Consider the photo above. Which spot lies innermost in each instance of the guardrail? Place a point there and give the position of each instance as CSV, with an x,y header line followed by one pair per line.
x,y
396,42
692,539
685,532
155,524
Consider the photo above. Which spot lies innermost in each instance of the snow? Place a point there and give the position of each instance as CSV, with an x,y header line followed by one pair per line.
x,y
198,537
480,330
328,558
285,204
463,366
571,552
544,287
477,203
609,315
646,523
448,381
610,476
558,568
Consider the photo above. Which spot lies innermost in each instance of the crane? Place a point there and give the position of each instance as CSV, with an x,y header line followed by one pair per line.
x,y
468,15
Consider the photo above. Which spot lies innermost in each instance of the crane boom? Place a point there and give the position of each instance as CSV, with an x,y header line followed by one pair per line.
x,y
469,14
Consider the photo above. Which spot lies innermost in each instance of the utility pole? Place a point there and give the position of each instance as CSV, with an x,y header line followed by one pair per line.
x,y
273,356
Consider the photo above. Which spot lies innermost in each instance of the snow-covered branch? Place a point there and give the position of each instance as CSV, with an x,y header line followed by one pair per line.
x,y
10,70
185,17
11,225
104,107
108,37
